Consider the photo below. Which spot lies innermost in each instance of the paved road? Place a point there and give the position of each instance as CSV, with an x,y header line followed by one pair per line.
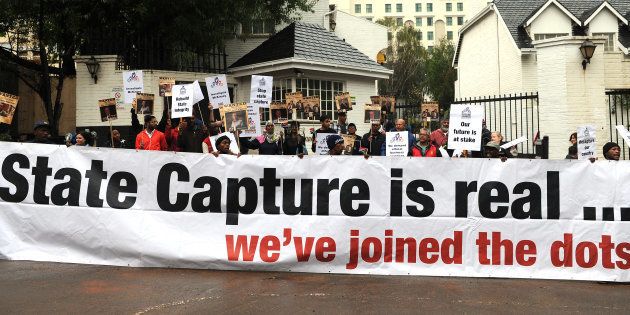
x,y
33,287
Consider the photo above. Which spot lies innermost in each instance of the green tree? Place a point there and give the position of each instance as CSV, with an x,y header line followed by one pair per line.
x,y
439,81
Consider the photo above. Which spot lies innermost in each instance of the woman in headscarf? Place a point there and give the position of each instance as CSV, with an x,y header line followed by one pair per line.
x,y
269,143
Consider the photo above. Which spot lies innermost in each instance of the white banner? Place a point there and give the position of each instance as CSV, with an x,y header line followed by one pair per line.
x,y
261,91
218,90
586,145
346,214
133,83
465,126
397,143
182,96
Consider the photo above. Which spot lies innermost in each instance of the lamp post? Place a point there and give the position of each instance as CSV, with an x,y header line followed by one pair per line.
x,y
92,66
587,49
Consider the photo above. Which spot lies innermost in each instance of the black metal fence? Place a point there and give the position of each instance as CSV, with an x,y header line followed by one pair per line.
x,y
619,109
514,115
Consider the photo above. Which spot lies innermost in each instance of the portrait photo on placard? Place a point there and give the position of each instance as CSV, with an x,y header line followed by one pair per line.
x,y
372,114
8,104
107,109
144,103
279,113
343,102
376,100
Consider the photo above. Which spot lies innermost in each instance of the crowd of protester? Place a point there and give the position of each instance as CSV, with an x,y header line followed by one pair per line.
x,y
193,134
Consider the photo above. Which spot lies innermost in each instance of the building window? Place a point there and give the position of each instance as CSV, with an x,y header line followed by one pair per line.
x,y
326,91
429,21
547,36
429,35
368,8
419,35
418,21
262,27
449,7
399,7
357,8
460,20
399,21
609,45
460,6
369,19
449,20
388,8
418,7
429,7
449,35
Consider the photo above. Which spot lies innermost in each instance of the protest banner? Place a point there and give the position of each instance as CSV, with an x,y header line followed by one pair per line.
x,y
218,92
107,109
261,88
430,110
117,94
144,104
311,107
464,131
372,114
182,101
234,116
321,146
586,142
343,102
348,143
234,144
279,113
165,85
133,83
397,143
8,104
473,218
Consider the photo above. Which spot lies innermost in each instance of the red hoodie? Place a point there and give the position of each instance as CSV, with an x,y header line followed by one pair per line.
x,y
155,143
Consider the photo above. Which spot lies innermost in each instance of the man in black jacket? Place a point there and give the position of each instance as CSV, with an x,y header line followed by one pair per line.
x,y
373,141
325,128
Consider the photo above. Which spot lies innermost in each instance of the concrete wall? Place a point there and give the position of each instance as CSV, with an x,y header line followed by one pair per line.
x,y
368,37
551,21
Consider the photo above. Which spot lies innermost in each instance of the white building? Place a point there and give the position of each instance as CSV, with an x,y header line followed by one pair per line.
x,y
518,46
436,19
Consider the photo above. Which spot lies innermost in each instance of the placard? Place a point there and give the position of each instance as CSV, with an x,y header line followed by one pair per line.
x,y
348,143
165,86
321,147
261,88
107,109
144,103
397,143
117,94
343,102
294,102
8,105
465,125
388,103
372,114
234,116
197,92
279,113
182,101
218,90
586,142
311,107
430,111
133,83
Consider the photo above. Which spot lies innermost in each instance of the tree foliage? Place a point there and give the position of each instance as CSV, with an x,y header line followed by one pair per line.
x,y
440,74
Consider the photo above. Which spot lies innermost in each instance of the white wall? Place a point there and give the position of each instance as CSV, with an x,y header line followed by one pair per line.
x,y
604,22
551,21
368,37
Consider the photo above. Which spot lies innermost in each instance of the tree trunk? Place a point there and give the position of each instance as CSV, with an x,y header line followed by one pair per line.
x,y
45,86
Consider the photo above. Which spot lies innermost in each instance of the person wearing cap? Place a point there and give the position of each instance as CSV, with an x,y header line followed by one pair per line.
x,y
372,142
223,147
269,143
41,132
325,128
151,138
612,151
492,150
335,144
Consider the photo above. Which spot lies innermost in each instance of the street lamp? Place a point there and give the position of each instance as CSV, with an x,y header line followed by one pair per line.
x,y
92,66
587,49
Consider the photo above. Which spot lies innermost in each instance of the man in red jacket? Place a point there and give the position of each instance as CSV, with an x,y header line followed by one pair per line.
x,y
150,138
424,148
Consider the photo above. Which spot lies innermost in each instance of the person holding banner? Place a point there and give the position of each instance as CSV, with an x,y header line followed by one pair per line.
x,y
325,128
223,147
373,141
294,143
612,151
335,144
423,147
83,139
150,138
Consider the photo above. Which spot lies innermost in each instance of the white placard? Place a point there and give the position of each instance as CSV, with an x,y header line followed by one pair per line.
x,y
465,126
623,132
253,115
182,101
321,147
233,143
117,94
586,142
397,143
261,90
218,90
133,83
197,93
514,142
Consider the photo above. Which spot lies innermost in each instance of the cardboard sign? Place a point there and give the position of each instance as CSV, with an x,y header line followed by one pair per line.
x,y
321,147
233,143
107,108
218,92
372,114
586,142
397,143
235,116
348,143
261,89
343,102
182,101
166,86
430,111
312,109
388,103
279,113
133,83
144,103
8,104
465,125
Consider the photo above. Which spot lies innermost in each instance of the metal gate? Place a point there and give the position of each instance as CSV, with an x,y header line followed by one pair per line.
x,y
619,109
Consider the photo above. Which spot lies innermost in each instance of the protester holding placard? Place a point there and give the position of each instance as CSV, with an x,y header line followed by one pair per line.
x,y
190,137
612,151
325,128
401,125
497,137
294,142
269,143
352,131
373,141
151,138
423,147
439,137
